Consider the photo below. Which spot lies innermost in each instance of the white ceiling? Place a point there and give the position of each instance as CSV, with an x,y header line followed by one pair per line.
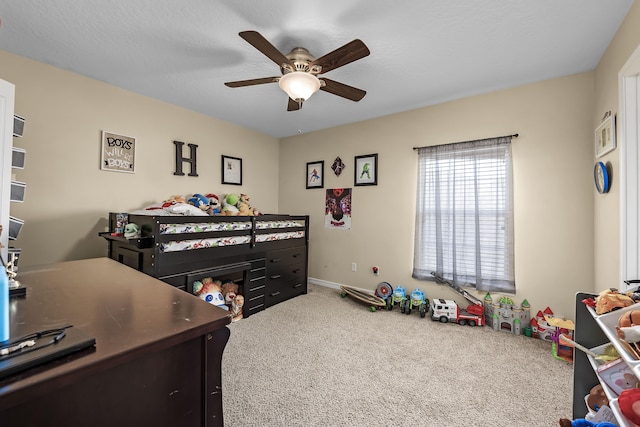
x,y
423,52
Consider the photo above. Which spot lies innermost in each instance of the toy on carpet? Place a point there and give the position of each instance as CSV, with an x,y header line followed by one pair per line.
x,y
399,296
383,290
562,338
211,291
507,316
374,301
417,300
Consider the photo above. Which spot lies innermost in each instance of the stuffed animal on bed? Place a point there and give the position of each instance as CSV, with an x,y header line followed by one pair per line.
x,y
199,201
229,204
214,203
244,208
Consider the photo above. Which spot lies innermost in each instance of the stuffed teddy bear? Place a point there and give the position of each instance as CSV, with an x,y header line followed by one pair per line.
x,y
229,291
211,291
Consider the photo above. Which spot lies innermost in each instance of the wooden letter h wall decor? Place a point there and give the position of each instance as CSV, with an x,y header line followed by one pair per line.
x,y
191,160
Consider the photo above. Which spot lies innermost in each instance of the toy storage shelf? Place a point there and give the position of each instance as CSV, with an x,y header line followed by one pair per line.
x,y
596,332
181,249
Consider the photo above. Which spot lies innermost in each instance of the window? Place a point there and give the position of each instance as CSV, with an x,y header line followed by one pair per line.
x,y
464,215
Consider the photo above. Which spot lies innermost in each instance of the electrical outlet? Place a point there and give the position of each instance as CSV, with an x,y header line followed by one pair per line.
x,y
354,267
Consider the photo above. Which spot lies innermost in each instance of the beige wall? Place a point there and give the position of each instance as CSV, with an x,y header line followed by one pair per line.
x,y
607,207
552,178
68,197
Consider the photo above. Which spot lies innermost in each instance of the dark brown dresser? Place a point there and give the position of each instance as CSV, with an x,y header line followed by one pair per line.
x,y
156,362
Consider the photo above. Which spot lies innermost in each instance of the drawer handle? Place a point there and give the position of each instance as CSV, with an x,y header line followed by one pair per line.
x,y
275,294
297,270
275,260
296,255
275,276
297,285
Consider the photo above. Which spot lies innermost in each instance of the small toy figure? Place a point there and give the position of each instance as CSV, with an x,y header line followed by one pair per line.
x,y
131,231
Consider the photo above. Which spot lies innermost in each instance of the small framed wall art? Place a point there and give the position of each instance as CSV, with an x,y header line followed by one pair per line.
x,y
118,153
606,136
231,170
315,174
366,170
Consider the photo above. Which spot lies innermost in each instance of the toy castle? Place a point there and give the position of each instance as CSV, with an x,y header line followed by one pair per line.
x,y
504,315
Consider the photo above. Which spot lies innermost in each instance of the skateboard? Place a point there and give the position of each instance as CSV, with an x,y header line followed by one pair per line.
x,y
365,297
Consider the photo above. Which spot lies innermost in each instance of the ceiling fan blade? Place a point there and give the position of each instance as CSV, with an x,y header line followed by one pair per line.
x,y
251,82
256,40
343,90
293,105
344,55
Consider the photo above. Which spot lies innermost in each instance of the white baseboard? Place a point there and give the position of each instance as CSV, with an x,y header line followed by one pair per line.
x,y
332,285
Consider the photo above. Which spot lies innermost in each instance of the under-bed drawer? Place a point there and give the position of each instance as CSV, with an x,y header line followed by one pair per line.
x,y
286,256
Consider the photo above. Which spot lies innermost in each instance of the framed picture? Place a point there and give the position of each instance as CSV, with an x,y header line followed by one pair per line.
x,y
231,170
118,153
366,170
606,136
315,174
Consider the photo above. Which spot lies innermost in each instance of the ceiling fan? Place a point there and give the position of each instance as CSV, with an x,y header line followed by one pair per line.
x,y
300,70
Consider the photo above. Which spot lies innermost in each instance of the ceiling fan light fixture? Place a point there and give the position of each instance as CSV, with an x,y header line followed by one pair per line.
x,y
299,85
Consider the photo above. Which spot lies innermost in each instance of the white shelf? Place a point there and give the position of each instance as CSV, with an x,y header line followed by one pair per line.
x,y
608,322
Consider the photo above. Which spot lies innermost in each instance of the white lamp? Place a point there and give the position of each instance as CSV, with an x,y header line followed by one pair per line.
x,y
299,85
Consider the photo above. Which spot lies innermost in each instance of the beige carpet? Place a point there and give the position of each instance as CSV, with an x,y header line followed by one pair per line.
x,y
323,360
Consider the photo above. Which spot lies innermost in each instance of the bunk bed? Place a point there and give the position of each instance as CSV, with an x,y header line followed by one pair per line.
x,y
266,254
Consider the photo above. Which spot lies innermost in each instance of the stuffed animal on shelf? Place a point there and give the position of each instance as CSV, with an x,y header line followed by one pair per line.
x,y
236,308
131,231
610,299
211,291
229,291
629,403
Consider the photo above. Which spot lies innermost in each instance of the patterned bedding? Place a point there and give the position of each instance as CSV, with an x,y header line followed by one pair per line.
x,y
214,242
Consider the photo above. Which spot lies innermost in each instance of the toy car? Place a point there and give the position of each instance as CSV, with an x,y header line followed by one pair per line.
x,y
399,296
418,301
